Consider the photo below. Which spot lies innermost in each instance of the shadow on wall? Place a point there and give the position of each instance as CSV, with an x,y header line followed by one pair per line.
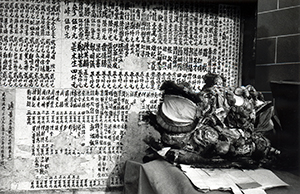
x,y
265,48
287,104
286,96
133,146
265,54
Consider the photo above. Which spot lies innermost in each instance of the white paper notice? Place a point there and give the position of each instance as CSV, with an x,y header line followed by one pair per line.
x,y
266,178
210,179
254,191
238,181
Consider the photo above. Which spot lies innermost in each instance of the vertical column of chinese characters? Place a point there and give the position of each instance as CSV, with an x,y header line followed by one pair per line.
x,y
236,47
229,45
6,25
10,114
228,54
1,44
3,127
7,131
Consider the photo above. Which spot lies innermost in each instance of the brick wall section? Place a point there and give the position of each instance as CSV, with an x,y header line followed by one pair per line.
x,y
278,43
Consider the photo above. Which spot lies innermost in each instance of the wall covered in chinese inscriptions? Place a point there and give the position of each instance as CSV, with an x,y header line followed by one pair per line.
x,y
76,78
